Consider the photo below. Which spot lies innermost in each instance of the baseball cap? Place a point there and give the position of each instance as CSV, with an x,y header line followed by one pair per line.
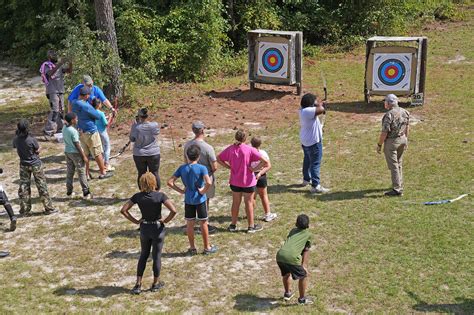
x,y
392,99
198,125
87,80
84,91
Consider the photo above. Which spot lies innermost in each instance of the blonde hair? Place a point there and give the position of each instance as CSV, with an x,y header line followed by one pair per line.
x,y
147,182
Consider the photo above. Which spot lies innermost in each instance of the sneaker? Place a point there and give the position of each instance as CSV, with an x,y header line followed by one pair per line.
x,y
319,190
157,286
106,175
270,217
393,193
71,194
13,224
232,228
305,183
211,250
137,289
191,251
255,228
87,196
288,295
50,211
110,168
304,301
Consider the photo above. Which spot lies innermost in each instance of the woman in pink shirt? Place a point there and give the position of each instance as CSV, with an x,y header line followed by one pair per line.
x,y
238,157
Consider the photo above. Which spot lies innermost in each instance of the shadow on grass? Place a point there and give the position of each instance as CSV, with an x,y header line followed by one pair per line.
x,y
252,303
54,159
360,107
125,233
245,96
56,171
292,188
462,306
351,194
136,255
98,291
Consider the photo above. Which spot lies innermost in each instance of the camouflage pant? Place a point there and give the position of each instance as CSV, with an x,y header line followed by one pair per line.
x,y
24,192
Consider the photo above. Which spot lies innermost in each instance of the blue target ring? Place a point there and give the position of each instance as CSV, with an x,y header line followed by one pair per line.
x,y
272,60
391,72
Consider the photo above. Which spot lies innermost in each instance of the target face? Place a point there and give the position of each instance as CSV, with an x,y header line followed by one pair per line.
x,y
392,72
272,60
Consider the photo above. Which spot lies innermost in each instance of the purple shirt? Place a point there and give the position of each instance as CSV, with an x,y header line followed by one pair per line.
x,y
239,158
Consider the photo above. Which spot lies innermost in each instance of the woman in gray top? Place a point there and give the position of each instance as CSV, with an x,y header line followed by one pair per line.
x,y
146,151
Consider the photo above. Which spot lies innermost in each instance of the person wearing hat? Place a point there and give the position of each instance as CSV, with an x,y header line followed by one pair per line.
x,y
146,150
52,75
394,138
95,92
89,134
207,157
27,148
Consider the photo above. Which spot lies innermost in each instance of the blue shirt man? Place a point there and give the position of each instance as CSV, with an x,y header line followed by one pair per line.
x,y
95,92
86,114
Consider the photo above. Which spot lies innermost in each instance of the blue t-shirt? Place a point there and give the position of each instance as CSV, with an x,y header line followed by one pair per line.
x,y
96,92
70,135
311,130
102,122
86,115
192,176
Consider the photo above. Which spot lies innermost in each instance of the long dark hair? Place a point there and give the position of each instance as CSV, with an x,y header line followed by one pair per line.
x,y
22,128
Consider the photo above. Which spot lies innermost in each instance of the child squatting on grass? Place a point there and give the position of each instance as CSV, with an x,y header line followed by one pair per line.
x,y
196,182
292,258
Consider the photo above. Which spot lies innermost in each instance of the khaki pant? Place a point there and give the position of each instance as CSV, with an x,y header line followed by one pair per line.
x,y
393,150
91,144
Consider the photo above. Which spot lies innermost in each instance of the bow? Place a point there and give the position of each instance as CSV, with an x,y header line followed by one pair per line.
x,y
325,88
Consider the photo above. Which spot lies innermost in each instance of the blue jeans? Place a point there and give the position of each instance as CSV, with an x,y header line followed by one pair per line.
x,y
104,137
312,163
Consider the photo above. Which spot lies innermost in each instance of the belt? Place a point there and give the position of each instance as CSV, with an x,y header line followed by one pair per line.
x,y
152,222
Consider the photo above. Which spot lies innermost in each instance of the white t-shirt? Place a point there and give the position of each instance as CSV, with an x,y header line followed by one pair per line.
x,y
311,131
264,155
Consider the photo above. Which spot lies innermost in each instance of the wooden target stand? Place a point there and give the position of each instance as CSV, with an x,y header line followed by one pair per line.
x,y
275,57
383,64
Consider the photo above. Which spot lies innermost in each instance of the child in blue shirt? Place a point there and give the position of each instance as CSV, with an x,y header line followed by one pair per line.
x,y
194,177
104,136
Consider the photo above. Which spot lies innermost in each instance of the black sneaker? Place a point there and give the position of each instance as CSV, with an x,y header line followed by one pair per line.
x,y
393,193
232,228
157,286
137,289
50,211
288,295
255,228
106,175
304,301
13,224
191,252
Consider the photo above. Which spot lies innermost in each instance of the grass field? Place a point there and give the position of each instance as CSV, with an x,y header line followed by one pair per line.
x,y
370,254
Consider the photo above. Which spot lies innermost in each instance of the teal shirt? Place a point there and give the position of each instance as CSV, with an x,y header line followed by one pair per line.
x,y
297,241
102,122
70,135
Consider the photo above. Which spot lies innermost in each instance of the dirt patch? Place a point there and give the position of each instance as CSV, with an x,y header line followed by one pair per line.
x,y
18,84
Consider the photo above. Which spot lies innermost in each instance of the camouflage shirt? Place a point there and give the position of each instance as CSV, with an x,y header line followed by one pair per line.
x,y
395,121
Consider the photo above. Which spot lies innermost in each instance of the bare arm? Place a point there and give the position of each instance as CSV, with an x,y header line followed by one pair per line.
x,y
109,105
304,259
69,106
125,212
224,164
81,152
69,69
265,169
207,185
168,204
320,108
214,166
172,184
382,137
407,130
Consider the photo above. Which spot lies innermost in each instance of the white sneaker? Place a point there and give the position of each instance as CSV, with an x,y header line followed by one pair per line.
x,y
319,190
305,183
110,168
270,217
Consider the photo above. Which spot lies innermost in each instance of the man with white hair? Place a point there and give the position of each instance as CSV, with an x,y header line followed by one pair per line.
x,y
95,92
394,138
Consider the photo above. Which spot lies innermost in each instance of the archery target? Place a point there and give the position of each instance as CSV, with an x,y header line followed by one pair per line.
x,y
392,72
272,60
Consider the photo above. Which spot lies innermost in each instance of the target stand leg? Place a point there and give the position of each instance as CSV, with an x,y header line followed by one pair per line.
x,y
299,89
252,86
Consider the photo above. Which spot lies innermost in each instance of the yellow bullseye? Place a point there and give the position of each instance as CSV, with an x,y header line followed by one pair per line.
x,y
272,60
391,72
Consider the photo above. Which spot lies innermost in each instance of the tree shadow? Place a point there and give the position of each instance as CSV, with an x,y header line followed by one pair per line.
x,y
252,303
98,291
360,107
245,96
462,306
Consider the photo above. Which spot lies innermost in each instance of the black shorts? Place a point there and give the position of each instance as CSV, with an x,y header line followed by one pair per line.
x,y
262,181
242,189
297,271
195,212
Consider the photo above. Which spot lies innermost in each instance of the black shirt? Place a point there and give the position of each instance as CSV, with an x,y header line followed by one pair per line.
x,y
149,204
27,148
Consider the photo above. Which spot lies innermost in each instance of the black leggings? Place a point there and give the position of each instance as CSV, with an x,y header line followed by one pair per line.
x,y
4,201
148,163
151,236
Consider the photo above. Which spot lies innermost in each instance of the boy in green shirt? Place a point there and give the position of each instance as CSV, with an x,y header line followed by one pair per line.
x,y
292,258
75,158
